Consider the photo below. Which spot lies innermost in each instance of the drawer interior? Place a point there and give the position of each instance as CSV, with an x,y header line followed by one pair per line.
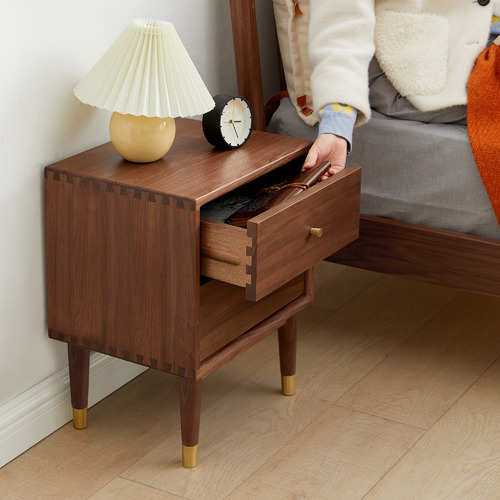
x,y
221,208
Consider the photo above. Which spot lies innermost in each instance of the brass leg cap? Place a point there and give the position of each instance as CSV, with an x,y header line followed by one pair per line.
x,y
288,385
189,456
80,418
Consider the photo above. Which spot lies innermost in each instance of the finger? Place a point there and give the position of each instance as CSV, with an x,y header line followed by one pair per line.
x,y
311,159
336,169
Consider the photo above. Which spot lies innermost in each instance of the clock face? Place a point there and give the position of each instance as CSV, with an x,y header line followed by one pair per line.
x,y
229,124
236,122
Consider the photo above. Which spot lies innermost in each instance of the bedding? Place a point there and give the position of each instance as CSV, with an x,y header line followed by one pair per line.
x,y
418,166
404,31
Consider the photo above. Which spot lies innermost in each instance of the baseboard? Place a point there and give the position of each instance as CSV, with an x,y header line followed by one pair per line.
x,y
41,410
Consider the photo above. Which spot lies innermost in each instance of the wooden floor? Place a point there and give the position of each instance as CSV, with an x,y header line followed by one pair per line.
x,y
398,397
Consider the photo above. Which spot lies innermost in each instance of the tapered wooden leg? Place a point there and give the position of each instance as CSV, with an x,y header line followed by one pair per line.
x,y
190,403
79,362
287,337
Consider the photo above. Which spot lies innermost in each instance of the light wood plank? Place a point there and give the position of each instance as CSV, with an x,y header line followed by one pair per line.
x,y
350,343
460,456
342,454
122,428
425,376
48,454
124,433
238,435
335,284
62,446
122,489
309,318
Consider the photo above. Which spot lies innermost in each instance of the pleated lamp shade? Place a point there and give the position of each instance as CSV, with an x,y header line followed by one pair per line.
x,y
147,79
146,72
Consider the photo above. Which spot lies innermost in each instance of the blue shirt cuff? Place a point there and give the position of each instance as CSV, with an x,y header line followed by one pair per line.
x,y
494,32
338,119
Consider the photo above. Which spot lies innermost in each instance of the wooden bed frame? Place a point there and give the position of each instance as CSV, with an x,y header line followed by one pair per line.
x,y
388,246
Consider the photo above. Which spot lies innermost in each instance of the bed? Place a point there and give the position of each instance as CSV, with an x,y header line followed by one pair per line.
x,y
425,219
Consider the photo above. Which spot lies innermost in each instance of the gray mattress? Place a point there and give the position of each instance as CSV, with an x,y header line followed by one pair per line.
x,y
423,173
416,167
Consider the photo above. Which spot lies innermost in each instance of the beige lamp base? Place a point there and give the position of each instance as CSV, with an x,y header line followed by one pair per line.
x,y
140,139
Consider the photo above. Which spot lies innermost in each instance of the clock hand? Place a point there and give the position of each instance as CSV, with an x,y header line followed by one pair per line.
x,y
235,130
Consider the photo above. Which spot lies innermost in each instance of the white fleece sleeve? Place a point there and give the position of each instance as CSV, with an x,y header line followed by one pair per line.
x,y
496,8
341,45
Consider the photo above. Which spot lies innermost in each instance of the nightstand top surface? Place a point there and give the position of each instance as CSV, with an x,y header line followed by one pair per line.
x,y
192,169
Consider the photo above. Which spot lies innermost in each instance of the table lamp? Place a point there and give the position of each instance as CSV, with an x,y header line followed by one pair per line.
x,y
146,78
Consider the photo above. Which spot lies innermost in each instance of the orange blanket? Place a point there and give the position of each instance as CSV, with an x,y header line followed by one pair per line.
x,y
483,120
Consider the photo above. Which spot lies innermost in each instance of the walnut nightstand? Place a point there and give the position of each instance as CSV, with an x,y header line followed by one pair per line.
x,y
126,248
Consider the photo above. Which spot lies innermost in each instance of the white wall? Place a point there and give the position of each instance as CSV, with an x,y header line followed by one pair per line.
x,y
45,48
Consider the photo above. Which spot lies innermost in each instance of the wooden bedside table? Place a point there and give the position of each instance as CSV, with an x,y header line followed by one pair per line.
x,y
124,261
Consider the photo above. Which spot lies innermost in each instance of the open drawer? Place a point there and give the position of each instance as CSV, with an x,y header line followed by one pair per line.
x,y
286,240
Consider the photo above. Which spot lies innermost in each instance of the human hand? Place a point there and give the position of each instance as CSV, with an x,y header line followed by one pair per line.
x,y
327,147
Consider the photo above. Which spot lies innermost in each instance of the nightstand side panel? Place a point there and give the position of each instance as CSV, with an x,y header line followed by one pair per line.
x,y
123,271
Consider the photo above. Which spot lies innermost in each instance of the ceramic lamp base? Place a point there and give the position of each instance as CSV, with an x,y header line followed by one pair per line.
x,y
140,139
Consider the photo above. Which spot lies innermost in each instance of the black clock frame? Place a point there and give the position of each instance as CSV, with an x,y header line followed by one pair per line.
x,y
211,122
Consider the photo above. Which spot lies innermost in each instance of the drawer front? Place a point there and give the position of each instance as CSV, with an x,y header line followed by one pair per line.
x,y
283,245
278,244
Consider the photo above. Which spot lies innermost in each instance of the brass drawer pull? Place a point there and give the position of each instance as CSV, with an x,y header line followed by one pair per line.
x,y
316,231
